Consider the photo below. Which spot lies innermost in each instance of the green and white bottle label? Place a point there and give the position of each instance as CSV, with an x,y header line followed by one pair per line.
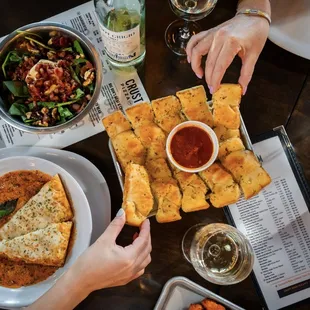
x,y
122,46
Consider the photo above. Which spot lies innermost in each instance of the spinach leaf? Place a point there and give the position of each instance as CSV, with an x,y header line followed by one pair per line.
x,y
77,70
79,61
7,207
50,105
62,120
66,103
18,109
26,120
11,57
39,43
14,57
78,47
91,88
64,112
17,88
74,75
79,94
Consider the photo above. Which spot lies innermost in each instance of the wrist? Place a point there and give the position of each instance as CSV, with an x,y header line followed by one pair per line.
x,y
88,282
262,5
256,14
77,283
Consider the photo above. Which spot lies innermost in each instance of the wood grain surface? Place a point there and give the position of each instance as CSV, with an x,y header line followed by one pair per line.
x,y
279,94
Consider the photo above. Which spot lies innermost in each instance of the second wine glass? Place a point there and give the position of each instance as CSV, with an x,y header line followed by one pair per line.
x,y
219,253
180,31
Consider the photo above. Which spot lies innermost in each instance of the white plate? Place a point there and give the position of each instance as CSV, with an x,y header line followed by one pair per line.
x,y
82,218
87,175
290,26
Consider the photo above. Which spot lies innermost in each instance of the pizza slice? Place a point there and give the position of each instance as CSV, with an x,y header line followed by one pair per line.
x,y
47,246
49,205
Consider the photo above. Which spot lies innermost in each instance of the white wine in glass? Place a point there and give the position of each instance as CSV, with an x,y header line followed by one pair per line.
x,y
180,31
219,253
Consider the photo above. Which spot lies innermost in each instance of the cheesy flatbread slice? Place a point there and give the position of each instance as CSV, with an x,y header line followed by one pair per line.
x,y
133,216
240,163
194,197
169,198
49,205
194,191
224,189
128,149
137,198
158,169
140,115
167,112
227,116
116,123
195,106
184,178
253,182
247,171
47,246
224,133
229,146
227,94
153,139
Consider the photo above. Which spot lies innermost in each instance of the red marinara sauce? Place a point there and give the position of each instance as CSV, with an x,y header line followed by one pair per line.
x,y
191,147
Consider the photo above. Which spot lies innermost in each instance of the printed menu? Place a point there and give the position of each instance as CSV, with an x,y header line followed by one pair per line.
x,y
277,223
120,90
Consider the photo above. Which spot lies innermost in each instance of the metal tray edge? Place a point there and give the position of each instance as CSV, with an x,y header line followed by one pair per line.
x,y
117,166
192,286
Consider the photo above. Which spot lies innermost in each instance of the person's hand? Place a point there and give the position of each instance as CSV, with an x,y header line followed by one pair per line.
x,y
242,35
106,264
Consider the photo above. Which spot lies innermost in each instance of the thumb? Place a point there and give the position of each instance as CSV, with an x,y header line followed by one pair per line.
x,y
115,227
248,64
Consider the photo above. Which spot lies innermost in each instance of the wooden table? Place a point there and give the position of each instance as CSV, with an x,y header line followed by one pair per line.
x,y
279,94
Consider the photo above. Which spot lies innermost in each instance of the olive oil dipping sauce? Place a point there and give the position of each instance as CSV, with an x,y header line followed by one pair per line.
x,y
191,147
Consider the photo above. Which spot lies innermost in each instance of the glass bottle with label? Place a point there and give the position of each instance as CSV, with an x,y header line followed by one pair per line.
x,y
122,26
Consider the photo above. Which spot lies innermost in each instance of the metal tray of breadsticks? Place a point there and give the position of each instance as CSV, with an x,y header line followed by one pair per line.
x,y
244,137
179,292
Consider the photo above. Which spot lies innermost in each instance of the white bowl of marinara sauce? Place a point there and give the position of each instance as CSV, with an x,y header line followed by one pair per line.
x,y
192,146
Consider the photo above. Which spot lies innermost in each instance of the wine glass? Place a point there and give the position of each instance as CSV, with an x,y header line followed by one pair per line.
x,y
180,31
219,253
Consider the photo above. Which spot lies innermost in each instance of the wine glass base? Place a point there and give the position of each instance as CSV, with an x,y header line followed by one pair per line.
x,y
188,238
178,34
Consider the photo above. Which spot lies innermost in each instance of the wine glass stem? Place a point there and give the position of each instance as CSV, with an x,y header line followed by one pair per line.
x,y
184,32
